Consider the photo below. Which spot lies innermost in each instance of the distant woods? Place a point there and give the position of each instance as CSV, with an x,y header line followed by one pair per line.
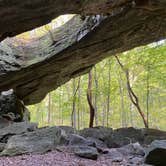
x,y
121,91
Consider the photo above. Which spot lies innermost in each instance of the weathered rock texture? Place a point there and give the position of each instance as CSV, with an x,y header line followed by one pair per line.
x,y
39,141
27,138
32,14
39,67
12,109
156,153
16,129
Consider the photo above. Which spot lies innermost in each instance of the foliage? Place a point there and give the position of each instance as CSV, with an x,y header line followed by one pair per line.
x,y
145,64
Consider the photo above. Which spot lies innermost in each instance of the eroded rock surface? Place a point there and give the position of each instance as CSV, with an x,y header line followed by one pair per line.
x,y
76,46
100,133
16,129
86,152
32,14
39,141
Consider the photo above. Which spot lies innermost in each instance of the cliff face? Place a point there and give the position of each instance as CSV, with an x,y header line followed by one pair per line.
x,y
37,68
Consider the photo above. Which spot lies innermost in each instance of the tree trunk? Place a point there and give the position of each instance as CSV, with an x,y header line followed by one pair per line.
x,y
96,96
79,99
73,115
89,98
75,89
132,95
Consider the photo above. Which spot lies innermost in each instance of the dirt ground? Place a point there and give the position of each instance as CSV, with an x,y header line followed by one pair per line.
x,y
64,158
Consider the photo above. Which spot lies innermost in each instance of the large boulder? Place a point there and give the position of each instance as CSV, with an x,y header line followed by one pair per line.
x,y
38,142
66,131
115,155
15,129
151,135
132,149
100,145
86,152
97,132
124,136
156,153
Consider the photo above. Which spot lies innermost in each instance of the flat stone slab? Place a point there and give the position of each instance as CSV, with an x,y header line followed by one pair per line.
x,y
38,142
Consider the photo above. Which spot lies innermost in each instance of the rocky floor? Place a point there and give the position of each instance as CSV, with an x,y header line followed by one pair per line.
x,y
28,145
66,158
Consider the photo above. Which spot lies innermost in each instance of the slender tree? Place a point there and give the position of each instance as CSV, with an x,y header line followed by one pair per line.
x,y
96,95
132,95
89,98
75,89
79,99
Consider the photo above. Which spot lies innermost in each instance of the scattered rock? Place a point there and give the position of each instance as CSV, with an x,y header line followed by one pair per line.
x,y
136,161
115,155
39,141
132,149
86,152
156,153
26,138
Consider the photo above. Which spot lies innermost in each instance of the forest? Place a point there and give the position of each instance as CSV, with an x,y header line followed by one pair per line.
x,y
68,105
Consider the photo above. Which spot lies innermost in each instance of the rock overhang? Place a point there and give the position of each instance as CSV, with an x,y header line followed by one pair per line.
x,y
77,45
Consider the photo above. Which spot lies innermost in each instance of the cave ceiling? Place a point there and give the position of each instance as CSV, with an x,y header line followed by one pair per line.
x,y
99,29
